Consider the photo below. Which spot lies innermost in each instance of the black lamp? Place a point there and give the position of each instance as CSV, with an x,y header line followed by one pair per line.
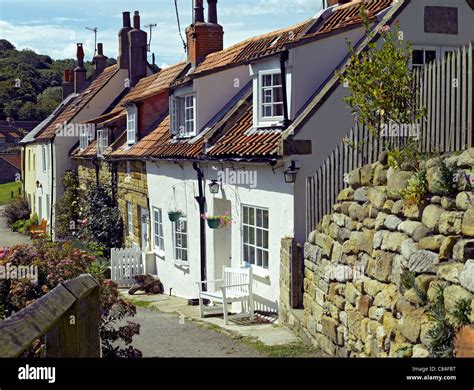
x,y
38,184
214,187
290,173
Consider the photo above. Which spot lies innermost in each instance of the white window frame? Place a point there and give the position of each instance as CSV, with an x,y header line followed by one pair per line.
x,y
132,113
44,157
251,249
179,248
261,105
102,141
84,138
47,208
130,219
158,230
182,125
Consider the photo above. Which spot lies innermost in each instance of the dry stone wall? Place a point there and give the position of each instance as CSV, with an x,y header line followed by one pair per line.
x,y
356,302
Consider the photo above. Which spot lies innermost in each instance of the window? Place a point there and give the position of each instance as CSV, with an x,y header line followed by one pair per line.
x,y
181,240
271,96
131,125
29,160
159,238
84,137
129,219
422,57
43,157
183,116
2,140
40,208
102,141
255,229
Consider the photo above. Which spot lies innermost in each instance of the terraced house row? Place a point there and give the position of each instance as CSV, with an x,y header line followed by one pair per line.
x,y
231,131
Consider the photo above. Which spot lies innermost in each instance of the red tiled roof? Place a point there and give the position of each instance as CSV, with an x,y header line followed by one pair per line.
x,y
12,159
77,104
343,16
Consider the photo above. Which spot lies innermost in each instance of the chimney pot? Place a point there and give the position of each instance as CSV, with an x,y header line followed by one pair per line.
x,y
126,19
100,61
136,20
198,11
212,11
100,49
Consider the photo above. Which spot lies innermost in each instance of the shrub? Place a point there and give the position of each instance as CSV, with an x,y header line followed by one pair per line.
x,y
102,223
58,262
416,189
16,210
67,208
446,184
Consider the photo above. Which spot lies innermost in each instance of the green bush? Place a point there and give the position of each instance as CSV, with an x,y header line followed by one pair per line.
x,y
16,210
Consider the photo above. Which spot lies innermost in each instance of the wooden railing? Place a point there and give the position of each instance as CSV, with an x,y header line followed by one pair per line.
x,y
68,317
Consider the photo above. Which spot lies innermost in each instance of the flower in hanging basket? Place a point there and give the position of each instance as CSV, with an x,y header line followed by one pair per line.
x,y
218,221
175,215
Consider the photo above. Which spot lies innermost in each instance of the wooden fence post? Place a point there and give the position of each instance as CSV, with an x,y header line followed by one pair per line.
x,y
76,334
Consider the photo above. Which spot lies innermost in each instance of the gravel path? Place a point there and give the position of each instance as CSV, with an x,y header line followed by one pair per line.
x,y
9,238
164,335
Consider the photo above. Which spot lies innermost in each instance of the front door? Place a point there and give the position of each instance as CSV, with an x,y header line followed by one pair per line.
x,y
145,229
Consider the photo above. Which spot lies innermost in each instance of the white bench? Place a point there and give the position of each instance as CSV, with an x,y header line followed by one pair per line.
x,y
236,287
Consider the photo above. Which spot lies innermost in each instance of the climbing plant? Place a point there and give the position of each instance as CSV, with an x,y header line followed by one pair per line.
x,y
68,208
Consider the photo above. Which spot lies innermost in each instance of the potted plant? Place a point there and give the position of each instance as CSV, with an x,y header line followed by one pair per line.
x,y
175,215
218,221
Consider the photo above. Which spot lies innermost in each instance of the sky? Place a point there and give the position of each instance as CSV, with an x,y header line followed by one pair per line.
x,y
53,27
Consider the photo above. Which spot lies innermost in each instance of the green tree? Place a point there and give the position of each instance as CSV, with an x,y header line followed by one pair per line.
x,y
380,80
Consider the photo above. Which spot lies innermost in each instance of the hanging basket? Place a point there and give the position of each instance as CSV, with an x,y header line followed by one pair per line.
x,y
214,223
175,216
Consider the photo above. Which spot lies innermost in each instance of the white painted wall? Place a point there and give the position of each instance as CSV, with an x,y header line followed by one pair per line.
x,y
271,193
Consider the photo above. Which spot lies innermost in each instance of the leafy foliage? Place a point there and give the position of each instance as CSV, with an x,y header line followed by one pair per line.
x,y
416,189
408,281
15,211
380,80
58,262
446,183
409,155
442,332
102,222
23,225
67,208
30,83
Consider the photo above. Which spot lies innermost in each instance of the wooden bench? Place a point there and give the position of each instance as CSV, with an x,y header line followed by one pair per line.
x,y
236,286
39,230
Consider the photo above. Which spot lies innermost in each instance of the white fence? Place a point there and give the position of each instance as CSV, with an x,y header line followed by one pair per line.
x,y
126,264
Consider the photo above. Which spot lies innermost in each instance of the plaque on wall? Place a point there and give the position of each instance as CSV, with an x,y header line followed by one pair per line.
x,y
441,20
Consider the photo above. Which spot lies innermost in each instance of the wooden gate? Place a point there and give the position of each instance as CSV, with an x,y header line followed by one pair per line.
x,y
126,264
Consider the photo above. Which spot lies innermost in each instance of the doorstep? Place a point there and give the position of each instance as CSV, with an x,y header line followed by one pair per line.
x,y
268,334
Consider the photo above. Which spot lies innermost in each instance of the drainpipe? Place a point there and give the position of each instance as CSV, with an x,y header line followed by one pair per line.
x,y
51,163
96,165
283,59
201,199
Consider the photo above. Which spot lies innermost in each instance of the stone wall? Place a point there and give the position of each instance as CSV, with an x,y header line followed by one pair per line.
x,y
86,173
133,188
355,303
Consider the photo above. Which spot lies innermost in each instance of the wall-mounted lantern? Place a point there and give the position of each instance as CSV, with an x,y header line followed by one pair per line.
x,y
214,187
39,185
290,173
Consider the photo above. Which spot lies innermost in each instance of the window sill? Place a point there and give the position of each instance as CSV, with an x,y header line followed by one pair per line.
x,y
160,253
182,264
277,122
259,271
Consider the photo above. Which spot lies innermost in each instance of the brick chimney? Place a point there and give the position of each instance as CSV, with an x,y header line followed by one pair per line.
x,y
124,46
330,3
68,83
138,51
80,71
100,61
204,38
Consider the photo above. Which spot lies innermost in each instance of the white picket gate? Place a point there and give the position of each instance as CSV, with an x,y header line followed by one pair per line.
x,y
125,265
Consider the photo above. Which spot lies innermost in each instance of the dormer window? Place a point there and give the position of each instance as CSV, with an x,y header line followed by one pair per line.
x,y
183,118
85,137
102,141
131,125
271,96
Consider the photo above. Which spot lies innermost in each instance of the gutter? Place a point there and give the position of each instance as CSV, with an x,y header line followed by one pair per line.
x,y
52,188
201,199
